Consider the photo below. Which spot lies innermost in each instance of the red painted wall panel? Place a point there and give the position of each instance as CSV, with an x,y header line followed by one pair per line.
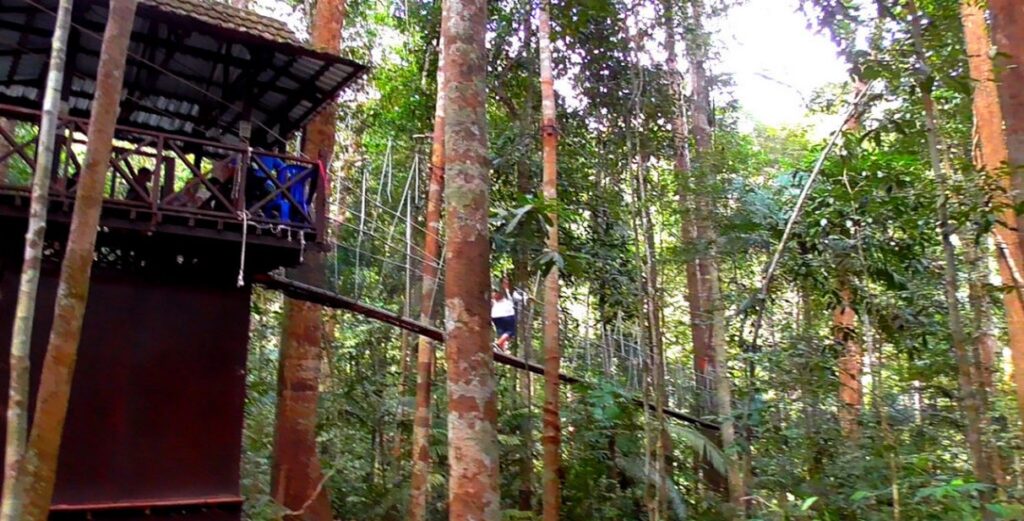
x,y
156,407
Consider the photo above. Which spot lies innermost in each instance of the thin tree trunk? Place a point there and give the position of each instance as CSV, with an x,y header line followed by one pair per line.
x,y
526,463
431,258
968,397
404,365
992,154
810,395
521,276
891,446
11,508
650,485
296,475
551,438
723,395
472,402
38,471
524,341
657,365
406,346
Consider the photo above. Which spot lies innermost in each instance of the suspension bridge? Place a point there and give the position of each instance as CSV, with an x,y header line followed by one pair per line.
x,y
375,262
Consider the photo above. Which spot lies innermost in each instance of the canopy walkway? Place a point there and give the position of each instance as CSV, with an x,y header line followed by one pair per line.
x,y
374,264
300,291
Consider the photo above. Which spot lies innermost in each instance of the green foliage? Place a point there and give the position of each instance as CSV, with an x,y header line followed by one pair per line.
x,y
869,223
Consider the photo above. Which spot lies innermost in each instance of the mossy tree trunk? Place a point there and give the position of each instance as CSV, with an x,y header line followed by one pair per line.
x,y
24,315
472,395
38,470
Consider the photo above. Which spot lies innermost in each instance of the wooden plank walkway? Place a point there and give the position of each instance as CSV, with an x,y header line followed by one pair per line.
x,y
305,292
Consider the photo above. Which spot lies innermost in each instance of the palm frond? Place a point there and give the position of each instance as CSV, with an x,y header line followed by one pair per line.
x,y
700,444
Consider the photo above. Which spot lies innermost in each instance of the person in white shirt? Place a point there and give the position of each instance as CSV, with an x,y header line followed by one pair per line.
x,y
503,315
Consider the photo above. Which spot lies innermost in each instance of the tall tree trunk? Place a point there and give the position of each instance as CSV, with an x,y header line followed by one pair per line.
x,y
521,279
38,471
551,438
851,393
699,321
992,154
968,397
990,157
431,259
295,470
706,238
697,277
11,508
1008,37
723,395
844,327
296,476
472,402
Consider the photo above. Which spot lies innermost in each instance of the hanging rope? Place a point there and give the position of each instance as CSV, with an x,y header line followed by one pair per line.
x,y
244,216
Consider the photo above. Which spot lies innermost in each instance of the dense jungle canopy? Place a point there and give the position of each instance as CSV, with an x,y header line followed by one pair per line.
x,y
775,293
848,400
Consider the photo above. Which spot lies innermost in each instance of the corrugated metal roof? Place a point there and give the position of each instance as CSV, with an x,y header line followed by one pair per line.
x,y
225,15
195,67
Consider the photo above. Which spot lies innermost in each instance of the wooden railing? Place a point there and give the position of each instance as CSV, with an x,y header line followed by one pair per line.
x,y
166,177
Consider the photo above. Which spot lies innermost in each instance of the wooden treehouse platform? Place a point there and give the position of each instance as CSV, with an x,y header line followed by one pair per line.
x,y
194,201
213,98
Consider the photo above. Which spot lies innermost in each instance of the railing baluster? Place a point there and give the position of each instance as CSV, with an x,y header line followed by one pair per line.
x,y
166,198
155,189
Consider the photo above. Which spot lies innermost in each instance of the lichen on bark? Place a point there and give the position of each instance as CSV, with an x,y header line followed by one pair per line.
x,y
472,408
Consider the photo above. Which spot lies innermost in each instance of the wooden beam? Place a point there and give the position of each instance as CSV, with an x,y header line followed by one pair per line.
x,y
305,292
